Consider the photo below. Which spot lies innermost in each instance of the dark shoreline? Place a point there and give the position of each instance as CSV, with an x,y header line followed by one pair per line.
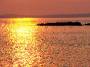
x,y
61,24
88,24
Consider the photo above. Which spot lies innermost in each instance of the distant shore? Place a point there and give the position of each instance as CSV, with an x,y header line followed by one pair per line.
x,y
62,24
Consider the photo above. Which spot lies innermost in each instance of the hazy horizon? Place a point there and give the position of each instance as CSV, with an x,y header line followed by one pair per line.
x,y
48,15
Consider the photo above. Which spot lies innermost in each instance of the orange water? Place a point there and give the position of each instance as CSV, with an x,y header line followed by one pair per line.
x,y
23,44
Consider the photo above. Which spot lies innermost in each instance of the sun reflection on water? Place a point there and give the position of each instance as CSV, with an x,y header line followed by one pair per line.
x,y
22,36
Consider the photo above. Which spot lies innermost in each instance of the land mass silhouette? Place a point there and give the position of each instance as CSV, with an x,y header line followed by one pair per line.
x,y
88,24
61,24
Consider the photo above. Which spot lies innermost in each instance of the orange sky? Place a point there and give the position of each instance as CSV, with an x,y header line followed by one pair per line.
x,y
44,7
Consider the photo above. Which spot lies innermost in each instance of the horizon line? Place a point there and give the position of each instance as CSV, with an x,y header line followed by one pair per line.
x,y
46,16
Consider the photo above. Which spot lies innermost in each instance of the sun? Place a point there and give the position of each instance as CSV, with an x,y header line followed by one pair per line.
x,y
23,26
25,21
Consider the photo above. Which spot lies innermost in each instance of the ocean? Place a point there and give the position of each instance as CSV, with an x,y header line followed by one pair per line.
x,y
24,44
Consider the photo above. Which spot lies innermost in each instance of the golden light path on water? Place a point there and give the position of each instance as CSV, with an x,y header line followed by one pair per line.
x,y
24,47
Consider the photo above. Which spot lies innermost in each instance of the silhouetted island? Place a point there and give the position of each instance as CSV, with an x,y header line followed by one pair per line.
x,y
61,24
88,24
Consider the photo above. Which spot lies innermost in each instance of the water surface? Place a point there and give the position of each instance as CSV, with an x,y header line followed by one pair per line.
x,y
23,44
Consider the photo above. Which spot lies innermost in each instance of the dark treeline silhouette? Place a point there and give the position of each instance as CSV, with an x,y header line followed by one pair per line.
x,y
61,24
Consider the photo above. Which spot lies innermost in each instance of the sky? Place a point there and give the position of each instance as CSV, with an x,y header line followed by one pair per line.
x,y
44,7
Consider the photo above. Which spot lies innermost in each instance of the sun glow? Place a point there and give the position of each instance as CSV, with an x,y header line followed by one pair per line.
x,y
23,38
25,21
